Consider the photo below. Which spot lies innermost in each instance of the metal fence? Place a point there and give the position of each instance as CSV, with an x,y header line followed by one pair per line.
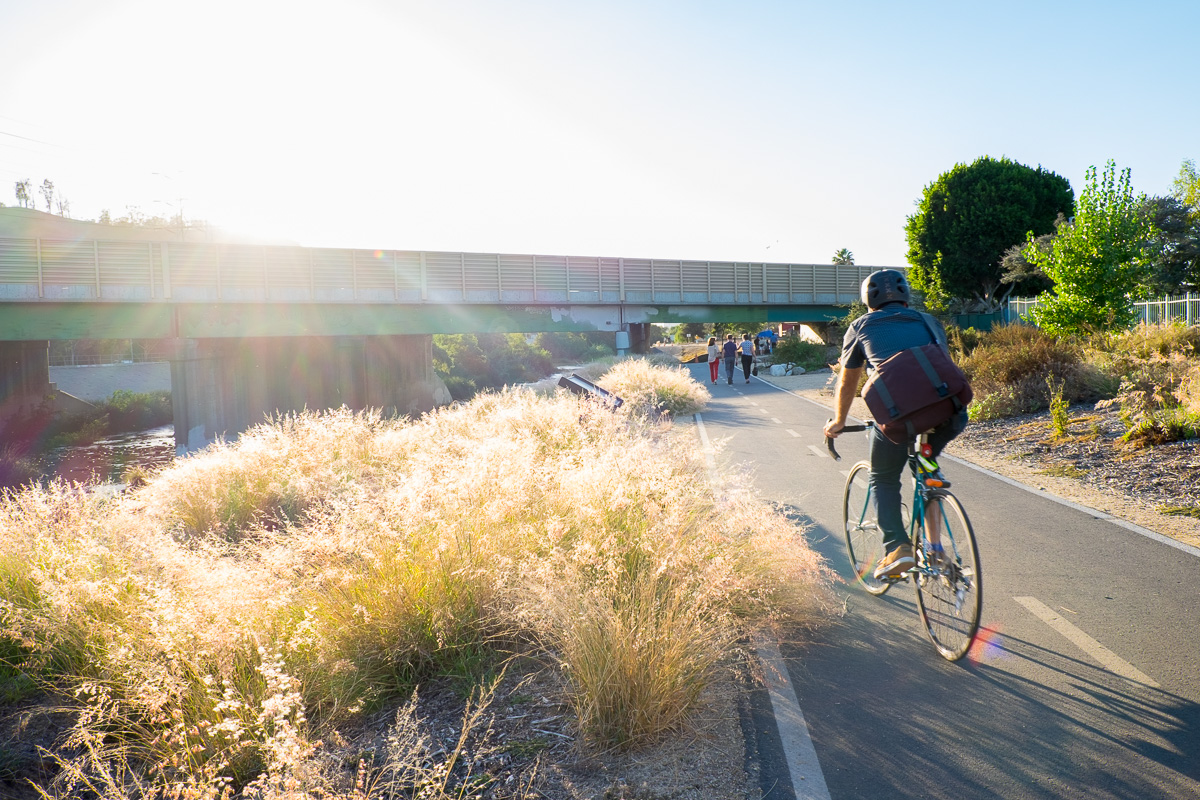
x,y
1179,308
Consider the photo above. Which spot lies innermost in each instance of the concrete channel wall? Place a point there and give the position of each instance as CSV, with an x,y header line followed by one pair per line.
x,y
96,383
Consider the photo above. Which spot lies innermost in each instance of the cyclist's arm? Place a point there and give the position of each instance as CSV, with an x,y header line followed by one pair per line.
x,y
843,398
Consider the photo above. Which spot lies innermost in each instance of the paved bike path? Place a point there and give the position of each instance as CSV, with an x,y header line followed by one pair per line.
x,y
1087,684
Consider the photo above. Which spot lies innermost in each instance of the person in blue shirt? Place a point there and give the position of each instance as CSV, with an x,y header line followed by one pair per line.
x,y
729,351
888,328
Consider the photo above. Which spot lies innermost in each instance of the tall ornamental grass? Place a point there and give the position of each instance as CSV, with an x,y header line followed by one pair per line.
x,y
216,624
649,389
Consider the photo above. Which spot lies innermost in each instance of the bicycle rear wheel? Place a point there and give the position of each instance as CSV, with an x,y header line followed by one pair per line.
x,y
950,594
864,539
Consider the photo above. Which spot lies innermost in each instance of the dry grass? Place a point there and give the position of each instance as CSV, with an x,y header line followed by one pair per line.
x,y
652,390
212,624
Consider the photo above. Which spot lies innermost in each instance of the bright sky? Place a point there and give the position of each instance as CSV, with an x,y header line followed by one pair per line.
x,y
712,129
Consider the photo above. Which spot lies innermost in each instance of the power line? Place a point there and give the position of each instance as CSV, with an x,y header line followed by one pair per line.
x,y
28,139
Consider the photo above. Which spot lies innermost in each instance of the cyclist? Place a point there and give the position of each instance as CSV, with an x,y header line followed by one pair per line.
x,y
888,328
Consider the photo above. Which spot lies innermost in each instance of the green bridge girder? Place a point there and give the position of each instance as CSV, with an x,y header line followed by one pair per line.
x,y
25,321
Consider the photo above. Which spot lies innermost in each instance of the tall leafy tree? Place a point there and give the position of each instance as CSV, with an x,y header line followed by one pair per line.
x,y
968,218
1187,187
47,190
843,258
24,193
1097,260
1173,251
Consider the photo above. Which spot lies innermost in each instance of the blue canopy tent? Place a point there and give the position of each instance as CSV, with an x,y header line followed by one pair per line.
x,y
767,335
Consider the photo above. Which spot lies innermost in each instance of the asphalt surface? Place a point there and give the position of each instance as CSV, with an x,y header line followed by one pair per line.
x,y
1084,685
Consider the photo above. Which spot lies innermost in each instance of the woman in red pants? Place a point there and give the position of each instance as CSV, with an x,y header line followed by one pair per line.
x,y
714,358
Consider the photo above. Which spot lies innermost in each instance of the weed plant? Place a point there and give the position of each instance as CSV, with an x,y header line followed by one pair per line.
x,y
1010,366
1159,391
1150,373
213,626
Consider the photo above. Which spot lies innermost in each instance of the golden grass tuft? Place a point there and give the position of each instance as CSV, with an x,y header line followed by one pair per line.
x,y
210,623
652,390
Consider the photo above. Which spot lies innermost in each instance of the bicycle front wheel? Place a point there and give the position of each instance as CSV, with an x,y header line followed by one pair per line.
x,y
950,593
864,539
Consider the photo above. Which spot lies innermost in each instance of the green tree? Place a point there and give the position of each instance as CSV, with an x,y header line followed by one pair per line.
x,y
688,330
1173,253
843,258
47,190
468,362
968,218
1187,187
721,329
24,193
1097,260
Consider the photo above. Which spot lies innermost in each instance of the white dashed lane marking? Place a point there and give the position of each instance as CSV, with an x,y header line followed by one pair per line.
x,y
1107,658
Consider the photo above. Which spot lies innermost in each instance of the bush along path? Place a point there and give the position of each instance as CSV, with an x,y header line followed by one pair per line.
x,y
304,612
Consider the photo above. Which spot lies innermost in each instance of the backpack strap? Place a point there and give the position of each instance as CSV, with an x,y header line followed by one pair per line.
x,y
886,396
923,360
925,365
929,326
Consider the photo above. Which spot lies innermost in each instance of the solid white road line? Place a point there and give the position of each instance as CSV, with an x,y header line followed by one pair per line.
x,y
706,447
1129,526
1107,658
808,781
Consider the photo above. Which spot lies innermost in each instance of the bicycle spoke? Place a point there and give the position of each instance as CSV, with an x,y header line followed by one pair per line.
x,y
950,594
864,539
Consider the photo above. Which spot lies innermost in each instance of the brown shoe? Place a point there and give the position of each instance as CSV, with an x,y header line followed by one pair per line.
x,y
896,563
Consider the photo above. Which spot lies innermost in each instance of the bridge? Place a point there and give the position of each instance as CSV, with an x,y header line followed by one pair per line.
x,y
261,327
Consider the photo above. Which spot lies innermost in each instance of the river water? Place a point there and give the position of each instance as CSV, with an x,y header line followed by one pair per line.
x,y
104,463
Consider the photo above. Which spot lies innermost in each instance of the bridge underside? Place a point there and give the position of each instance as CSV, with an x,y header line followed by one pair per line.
x,y
65,320
47,320
234,363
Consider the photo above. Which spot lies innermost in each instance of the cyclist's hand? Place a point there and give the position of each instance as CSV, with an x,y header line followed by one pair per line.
x,y
833,428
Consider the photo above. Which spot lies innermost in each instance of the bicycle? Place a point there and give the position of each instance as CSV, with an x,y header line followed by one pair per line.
x,y
948,580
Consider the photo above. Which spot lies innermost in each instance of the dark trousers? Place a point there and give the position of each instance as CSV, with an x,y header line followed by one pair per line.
x,y
747,363
729,369
888,460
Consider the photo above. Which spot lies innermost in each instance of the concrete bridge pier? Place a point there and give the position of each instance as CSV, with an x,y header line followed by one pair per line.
x,y
24,376
221,387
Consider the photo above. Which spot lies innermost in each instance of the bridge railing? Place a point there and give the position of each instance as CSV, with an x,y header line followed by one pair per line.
x,y
103,270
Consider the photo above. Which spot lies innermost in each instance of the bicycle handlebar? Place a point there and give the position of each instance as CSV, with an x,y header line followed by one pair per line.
x,y
847,429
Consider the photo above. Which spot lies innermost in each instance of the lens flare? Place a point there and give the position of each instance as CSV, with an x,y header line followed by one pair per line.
x,y
988,646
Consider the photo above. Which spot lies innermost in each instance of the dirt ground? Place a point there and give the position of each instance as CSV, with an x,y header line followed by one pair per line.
x,y
1156,488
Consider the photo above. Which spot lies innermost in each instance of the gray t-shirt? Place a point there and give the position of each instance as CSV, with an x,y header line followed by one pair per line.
x,y
878,335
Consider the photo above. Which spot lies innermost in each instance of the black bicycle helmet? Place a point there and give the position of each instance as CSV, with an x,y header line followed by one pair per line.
x,y
885,286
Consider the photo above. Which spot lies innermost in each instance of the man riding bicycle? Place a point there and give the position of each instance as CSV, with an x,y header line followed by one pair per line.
x,y
890,327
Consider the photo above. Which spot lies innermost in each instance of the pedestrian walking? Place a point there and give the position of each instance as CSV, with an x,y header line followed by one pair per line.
x,y
748,355
714,358
729,351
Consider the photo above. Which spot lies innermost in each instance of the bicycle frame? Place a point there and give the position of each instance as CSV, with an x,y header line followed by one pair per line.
x,y
947,581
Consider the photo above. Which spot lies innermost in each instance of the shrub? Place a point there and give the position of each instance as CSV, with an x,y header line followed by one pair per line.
x,y
135,411
16,466
213,620
651,390
1157,367
791,349
1010,366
